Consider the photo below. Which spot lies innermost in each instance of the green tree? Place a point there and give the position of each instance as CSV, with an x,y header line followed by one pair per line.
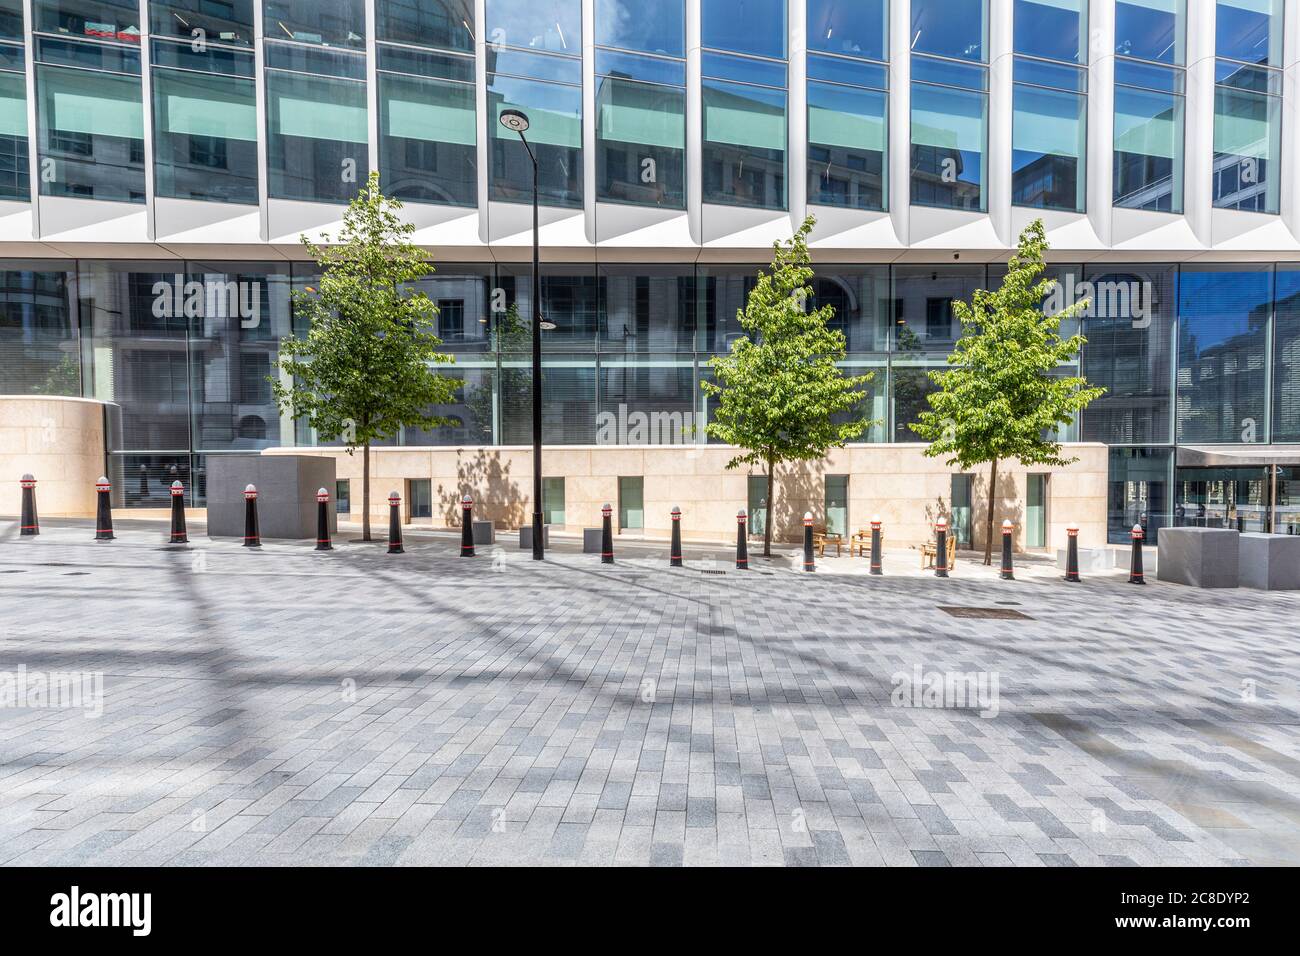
x,y
365,367
781,397
1002,396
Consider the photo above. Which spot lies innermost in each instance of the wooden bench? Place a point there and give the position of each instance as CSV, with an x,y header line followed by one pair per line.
x,y
929,552
860,544
822,537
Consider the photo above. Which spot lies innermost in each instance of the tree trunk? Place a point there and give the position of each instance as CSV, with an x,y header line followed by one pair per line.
x,y
993,497
771,511
365,492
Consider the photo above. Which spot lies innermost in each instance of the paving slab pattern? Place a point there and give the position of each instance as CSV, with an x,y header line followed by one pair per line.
x,y
352,708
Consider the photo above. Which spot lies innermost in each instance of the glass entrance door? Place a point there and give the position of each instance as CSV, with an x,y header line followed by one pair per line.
x,y
1286,503
1237,498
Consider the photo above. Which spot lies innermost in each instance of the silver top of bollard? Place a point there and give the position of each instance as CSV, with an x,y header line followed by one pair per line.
x,y
394,496
250,487
28,477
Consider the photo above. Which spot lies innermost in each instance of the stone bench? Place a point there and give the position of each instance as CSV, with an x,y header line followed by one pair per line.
x,y
1270,562
1199,557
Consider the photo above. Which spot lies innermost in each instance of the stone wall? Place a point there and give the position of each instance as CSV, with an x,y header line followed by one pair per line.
x,y
897,482
58,440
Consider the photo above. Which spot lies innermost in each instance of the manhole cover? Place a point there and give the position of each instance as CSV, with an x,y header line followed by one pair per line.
x,y
985,613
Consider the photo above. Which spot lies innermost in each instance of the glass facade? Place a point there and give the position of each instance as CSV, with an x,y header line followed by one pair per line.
x,y
316,114
641,103
1050,104
1248,105
950,103
1149,104
316,59
534,64
15,173
848,104
204,102
743,85
89,114
428,132
1191,355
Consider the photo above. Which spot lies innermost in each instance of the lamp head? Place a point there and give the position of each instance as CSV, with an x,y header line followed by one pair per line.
x,y
514,120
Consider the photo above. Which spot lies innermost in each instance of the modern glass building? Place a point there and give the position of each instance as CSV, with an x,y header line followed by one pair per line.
x,y
160,158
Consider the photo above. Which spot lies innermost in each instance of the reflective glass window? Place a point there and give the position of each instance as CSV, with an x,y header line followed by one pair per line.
x,y
1249,31
1151,30
1049,105
1286,356
640,110
848,104
534,65
134,330
428,130
38,330
1138,493
1129,326
337,23
647,308
1248,105
444,24
957,29
1224,318
949,137
949,103
205,137
554,26
1052,29
15,171
1147,171
847,132
645,27
91,134
922,315
744,145
554,111
755,27
859,28
316,150
116,20
229,22
1148,155
235,328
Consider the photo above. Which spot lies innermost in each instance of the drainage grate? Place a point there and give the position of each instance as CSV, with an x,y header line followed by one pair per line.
x,y
985,613
707,571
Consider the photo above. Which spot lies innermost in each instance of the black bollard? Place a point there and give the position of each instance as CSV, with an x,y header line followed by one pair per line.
x,y
742,548
607,535
466,526
1135,575
395,524
877,567
941,547
179,534
1008,572
808,563
252,537
103,511
323,542
1072,554
675,551
30,524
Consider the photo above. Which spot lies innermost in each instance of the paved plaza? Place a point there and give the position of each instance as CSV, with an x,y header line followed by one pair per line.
x,y
290,707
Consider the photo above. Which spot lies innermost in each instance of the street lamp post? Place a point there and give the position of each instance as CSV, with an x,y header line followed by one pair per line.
x,y
517,122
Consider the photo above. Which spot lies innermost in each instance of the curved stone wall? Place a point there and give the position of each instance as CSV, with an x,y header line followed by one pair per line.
x,y
58,440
